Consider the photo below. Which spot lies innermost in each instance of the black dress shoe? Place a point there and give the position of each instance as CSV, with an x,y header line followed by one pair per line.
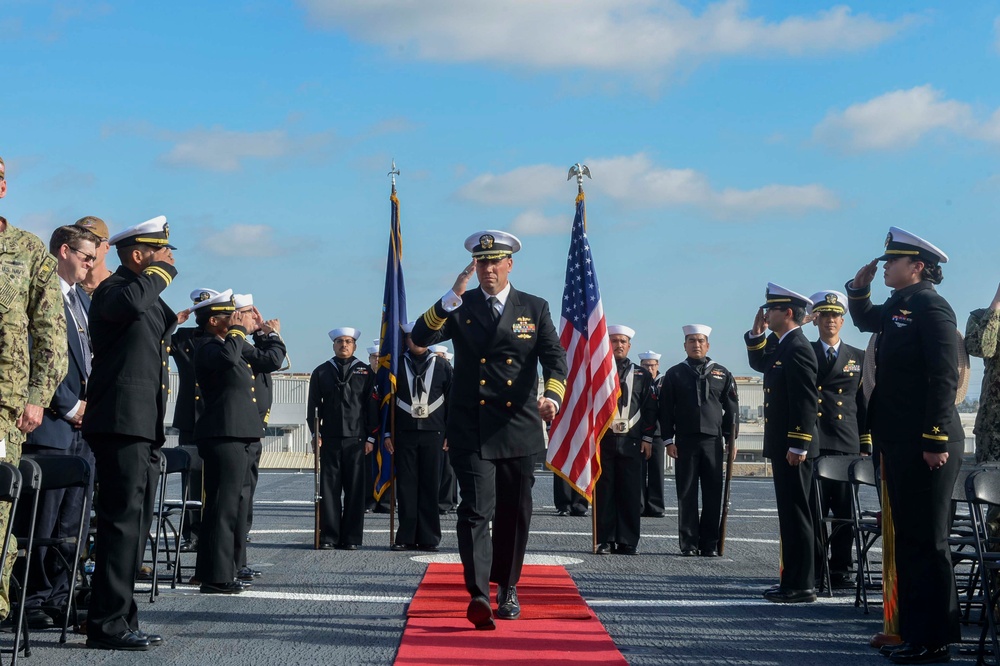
x,y
189,546
347,546
786,596
401,546
36,618
155,640
624,549
480,614
231,587
508,607
886,650
689,552
326,545
126,640
562,512
841,581
652,514
603,548
427,548
578,513
920,654
708,553
247,574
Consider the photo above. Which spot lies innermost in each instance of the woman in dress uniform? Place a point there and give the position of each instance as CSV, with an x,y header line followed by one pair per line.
x,y
224,432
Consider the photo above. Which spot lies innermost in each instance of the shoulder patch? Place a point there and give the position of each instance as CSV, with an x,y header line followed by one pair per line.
x,y
47,269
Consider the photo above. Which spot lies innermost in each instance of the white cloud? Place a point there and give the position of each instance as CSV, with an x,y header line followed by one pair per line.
x,y
896,119
250,240
536,223
610,35
219,149
634,181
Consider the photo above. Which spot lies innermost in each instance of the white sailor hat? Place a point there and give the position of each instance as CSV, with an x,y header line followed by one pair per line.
x,y
199,295
900,243
778,295
242,300
448,356
828,301
438,349
408,326
621,330
153,232
492,244
345,331
649,356
373,349
696,329
221,302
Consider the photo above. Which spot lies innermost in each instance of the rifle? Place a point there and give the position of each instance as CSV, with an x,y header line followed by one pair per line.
x,y
730,458
317,496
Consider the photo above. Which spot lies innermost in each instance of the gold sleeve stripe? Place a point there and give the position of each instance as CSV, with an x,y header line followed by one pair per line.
x,y
556,386
433,321
757,347
867,294
156,270
866,439
800,435
936,438
233,331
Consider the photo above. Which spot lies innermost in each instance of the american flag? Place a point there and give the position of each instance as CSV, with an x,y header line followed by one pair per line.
x,y
592,386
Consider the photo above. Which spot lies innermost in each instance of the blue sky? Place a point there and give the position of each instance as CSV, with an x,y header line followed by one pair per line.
x,y
731,144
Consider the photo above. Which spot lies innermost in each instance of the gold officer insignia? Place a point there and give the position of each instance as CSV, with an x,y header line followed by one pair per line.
x,y
888,239
935,430
486,241
166,231
905,313
831,299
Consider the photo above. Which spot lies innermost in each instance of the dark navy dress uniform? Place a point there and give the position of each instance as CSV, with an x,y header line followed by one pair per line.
x,y
343,392
618,503
841,430
790,413
183,344
653,504
228,425
912,410
494,430
419,437
130,329
698,405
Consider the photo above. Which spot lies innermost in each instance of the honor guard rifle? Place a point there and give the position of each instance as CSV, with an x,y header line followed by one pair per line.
x,y
730,459
317,496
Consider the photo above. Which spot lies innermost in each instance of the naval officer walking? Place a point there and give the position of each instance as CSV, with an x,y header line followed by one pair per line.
x,y
494,431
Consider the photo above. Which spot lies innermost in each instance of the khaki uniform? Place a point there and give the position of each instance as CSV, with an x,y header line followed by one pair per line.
x,y
981,334
30,305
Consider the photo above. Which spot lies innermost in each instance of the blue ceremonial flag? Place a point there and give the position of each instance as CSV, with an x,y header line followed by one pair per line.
x,y
390,345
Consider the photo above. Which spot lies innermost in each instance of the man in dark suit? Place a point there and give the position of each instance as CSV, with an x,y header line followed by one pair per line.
x,y
494,431
130,329
59,510
917,429
841,426
790,406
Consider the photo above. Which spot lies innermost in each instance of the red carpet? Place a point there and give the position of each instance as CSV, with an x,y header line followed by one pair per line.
x,y
556,625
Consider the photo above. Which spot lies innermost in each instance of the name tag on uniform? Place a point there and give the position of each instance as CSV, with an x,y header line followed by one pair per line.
x,y
419,411
619,426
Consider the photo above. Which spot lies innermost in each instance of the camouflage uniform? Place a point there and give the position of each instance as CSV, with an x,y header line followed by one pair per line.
x,y
981,340
30,305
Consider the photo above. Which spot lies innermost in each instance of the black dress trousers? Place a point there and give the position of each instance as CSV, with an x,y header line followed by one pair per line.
x,y
792,491
227,472
567,499
342,470
699,462
499,491
619,491
418,480
245,518
652,473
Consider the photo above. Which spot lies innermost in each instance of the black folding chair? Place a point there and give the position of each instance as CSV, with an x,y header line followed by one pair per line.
x,y
982,488
830,469
10,493
170,514
867,529
63,473
24,530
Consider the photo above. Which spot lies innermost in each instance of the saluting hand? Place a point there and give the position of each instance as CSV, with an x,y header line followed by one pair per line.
x,y
244,319
183,315
164,254
995,305
463,279
865,275
759,323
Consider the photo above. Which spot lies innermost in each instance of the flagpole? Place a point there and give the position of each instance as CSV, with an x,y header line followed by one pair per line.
x,y
392,415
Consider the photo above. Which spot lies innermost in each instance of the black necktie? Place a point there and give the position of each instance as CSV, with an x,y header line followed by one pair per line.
x,y
81,327
494,313
831,358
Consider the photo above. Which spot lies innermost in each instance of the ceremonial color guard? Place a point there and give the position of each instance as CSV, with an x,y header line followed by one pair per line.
x,y
790,407
698,407
495,415
916,427
618,500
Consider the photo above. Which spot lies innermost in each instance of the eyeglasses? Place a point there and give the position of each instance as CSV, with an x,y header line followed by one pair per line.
x,y
83,255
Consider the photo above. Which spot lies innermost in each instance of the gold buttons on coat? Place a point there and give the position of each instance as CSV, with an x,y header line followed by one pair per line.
x,y
819,388
839,403
510,382
509,404
840,390
820,414
509,361
482,402
840,416
482,382
482,360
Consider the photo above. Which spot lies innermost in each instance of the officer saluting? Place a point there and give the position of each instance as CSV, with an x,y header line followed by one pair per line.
x,y
421,415
495,415
130,328
698,407
790,407
841,426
